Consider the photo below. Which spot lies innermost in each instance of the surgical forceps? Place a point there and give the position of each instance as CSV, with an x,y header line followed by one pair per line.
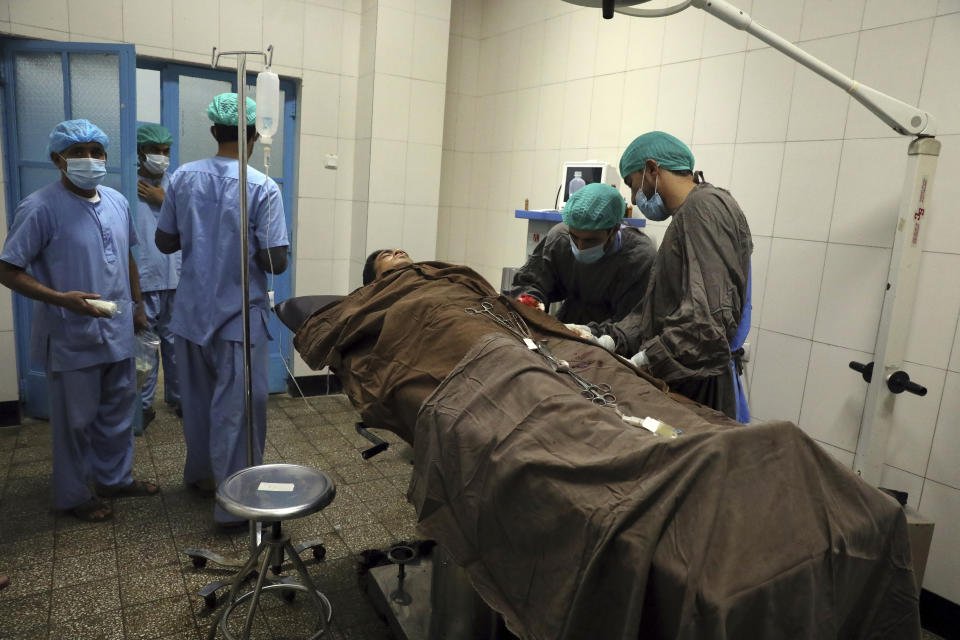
x,y
599,394
512,322
596,393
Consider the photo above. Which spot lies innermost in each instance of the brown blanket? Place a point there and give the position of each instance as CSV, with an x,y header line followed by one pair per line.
x,y
576,525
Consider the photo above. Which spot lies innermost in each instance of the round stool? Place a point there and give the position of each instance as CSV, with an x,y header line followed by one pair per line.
x,y
271,493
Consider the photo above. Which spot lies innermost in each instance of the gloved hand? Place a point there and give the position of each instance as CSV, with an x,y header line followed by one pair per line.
x,y
530,301
582,330
640,359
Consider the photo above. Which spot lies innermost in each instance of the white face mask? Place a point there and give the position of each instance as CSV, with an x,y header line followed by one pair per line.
x,y
85,173
155,163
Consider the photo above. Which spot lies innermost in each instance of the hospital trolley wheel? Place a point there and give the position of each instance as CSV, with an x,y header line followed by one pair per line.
x,y
199,561
210,601
319,553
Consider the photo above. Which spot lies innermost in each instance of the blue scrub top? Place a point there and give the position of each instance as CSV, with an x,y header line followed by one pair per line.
x,y
71,244
202,207
158,271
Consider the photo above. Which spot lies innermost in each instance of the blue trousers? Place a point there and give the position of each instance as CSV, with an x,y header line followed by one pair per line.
x,y
158,306
212,398
91,414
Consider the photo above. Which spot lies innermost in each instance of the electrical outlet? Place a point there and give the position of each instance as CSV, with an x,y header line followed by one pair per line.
x,y
746,351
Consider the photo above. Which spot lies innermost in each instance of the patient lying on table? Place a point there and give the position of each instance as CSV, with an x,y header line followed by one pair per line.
x,y
576,523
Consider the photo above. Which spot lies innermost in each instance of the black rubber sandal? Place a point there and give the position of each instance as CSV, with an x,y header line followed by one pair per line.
x,y
87,512
137,488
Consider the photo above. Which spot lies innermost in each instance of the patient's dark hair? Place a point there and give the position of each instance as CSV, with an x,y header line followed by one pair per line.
x,y
369,273
228,132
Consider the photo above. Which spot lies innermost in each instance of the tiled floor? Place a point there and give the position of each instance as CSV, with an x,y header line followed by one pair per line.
x,y
128,579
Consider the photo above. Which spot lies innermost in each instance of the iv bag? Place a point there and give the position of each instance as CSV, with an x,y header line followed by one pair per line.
x,y
268,105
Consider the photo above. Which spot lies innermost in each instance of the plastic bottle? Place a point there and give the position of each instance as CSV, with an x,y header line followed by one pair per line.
x,y
268,105
576,184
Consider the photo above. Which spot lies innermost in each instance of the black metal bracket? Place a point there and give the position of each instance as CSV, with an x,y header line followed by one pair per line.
x,y
379,445
897,382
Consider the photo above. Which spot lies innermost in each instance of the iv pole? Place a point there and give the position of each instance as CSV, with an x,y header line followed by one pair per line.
x,y
922,155
245,247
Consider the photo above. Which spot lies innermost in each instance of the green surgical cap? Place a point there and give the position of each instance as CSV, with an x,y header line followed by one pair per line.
x,y
595,206
668,152
153,134
223,110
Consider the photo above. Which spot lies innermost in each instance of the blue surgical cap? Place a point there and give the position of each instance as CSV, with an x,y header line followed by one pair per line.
x,y
71,132
667,151
595,206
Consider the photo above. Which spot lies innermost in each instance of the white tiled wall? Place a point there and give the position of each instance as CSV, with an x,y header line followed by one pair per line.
x,y
532,84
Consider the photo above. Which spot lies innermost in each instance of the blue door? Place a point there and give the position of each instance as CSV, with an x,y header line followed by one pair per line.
x,y
185,93
44,84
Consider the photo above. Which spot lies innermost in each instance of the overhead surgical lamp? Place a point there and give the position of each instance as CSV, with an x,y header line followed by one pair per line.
x,y
898,301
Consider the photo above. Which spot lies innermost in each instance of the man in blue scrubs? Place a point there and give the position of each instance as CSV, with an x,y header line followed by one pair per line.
x,y
201,215
159,272
75,237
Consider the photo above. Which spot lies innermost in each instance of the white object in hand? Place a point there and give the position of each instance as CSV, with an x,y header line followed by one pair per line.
x,y
581,330
640,359
107,306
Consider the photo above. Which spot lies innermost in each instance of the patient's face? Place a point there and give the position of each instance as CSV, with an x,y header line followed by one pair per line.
x,y
390,259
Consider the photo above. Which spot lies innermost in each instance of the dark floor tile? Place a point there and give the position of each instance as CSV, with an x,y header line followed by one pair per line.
x,y
27,525
371,536
158,618
338,574
136,531
78,542
86,599
139,585
27,551
360,472
378,492
402,529
35,435
68,522
28,579
342,457
187,634
148,554
101,626
147,509
19,616
345,515
37,471
32,453
84,568
27,490
175,450
351,608
389,468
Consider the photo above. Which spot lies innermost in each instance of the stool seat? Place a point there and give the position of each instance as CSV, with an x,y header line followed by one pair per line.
x,y
274,492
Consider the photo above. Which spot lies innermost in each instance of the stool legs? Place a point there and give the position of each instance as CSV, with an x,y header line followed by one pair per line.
x,y
257,590
270,550
307,582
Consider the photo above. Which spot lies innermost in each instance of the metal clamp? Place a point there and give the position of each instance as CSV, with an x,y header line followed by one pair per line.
x,y
897,382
